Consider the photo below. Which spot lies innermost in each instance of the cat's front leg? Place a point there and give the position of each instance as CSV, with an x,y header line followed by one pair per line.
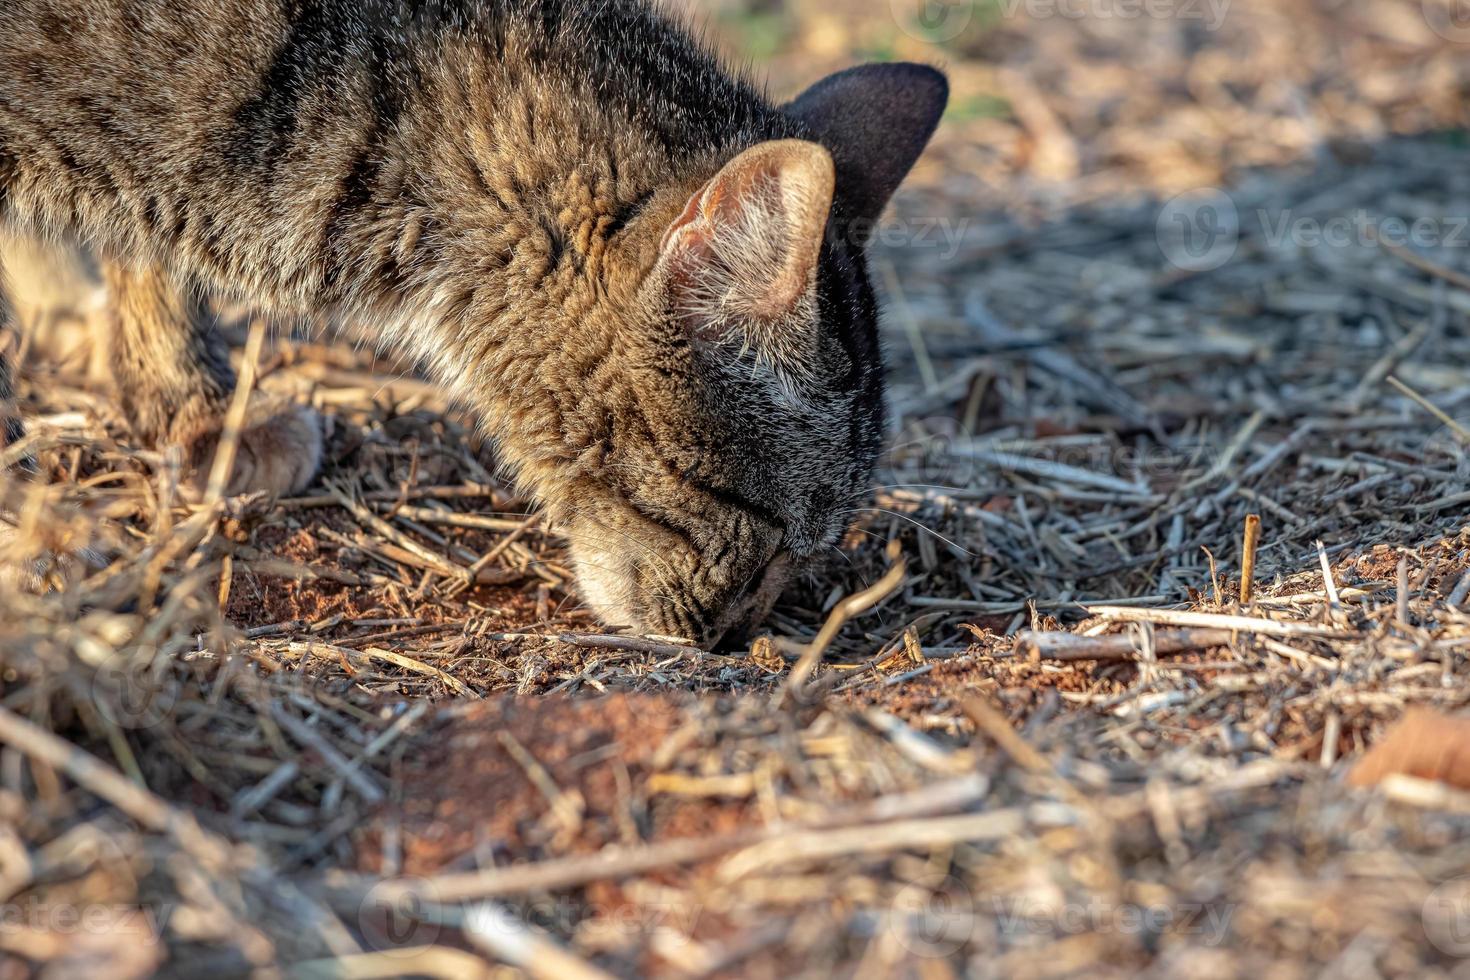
x,y
174,380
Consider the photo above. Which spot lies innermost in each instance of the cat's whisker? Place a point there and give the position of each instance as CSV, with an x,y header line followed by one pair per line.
x,y
918,524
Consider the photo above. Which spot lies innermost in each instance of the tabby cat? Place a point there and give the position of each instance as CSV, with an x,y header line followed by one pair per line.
x,y
639,271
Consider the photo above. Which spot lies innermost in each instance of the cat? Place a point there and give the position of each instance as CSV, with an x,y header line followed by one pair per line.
x,y
639,271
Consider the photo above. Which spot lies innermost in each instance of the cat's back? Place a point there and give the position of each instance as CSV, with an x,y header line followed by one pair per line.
x,y
201,126
248,76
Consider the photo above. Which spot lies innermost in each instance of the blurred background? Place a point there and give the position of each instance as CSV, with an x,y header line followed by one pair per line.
x,y
1069,101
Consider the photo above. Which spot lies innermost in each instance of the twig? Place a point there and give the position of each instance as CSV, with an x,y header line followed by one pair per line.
x,y
312,739
1070,646
229,440
1242,624
505,937
579,869
1248,557
853,605
1460,432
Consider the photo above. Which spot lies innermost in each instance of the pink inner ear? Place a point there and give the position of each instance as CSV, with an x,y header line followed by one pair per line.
x,y
690,213
749,239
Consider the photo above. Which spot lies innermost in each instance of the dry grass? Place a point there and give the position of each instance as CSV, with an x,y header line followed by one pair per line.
x,y
370,732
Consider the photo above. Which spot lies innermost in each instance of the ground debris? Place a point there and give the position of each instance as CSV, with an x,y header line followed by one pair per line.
x,y
1048,730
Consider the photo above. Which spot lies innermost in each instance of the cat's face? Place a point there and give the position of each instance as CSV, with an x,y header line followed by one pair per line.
x,y
743,412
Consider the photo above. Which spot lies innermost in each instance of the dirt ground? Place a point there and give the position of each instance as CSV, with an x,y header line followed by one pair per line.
x,y
1172,290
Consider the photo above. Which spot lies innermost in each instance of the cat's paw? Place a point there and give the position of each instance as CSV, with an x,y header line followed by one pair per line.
x,y
279,452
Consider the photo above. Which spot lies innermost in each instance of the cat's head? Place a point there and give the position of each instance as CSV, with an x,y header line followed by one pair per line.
x,y
740,426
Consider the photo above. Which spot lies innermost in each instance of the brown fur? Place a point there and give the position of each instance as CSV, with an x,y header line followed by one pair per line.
x,y
628,262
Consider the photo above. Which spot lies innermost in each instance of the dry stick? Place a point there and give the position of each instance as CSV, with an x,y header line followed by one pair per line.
x,y
229,440
496,552
567,806
1332,730
280,568
1334,599
816,845
1391,359
1462,591
448,492
95,777
438,563
1214,576
1240,624
1232,449
407,961
397,659
853,605
1070,646
1248,557
1419,262
453,518
507,938
1343,594
1403,591
579,869
636,644
1048,469
910,325
1460,432
991,722
312,739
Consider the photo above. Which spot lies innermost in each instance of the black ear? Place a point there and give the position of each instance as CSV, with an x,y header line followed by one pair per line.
x,y
875,120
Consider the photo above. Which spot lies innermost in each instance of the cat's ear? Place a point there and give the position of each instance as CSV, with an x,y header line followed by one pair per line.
x,y
743,255
876,120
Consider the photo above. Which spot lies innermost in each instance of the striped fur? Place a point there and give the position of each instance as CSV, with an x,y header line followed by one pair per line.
x,y
486,185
